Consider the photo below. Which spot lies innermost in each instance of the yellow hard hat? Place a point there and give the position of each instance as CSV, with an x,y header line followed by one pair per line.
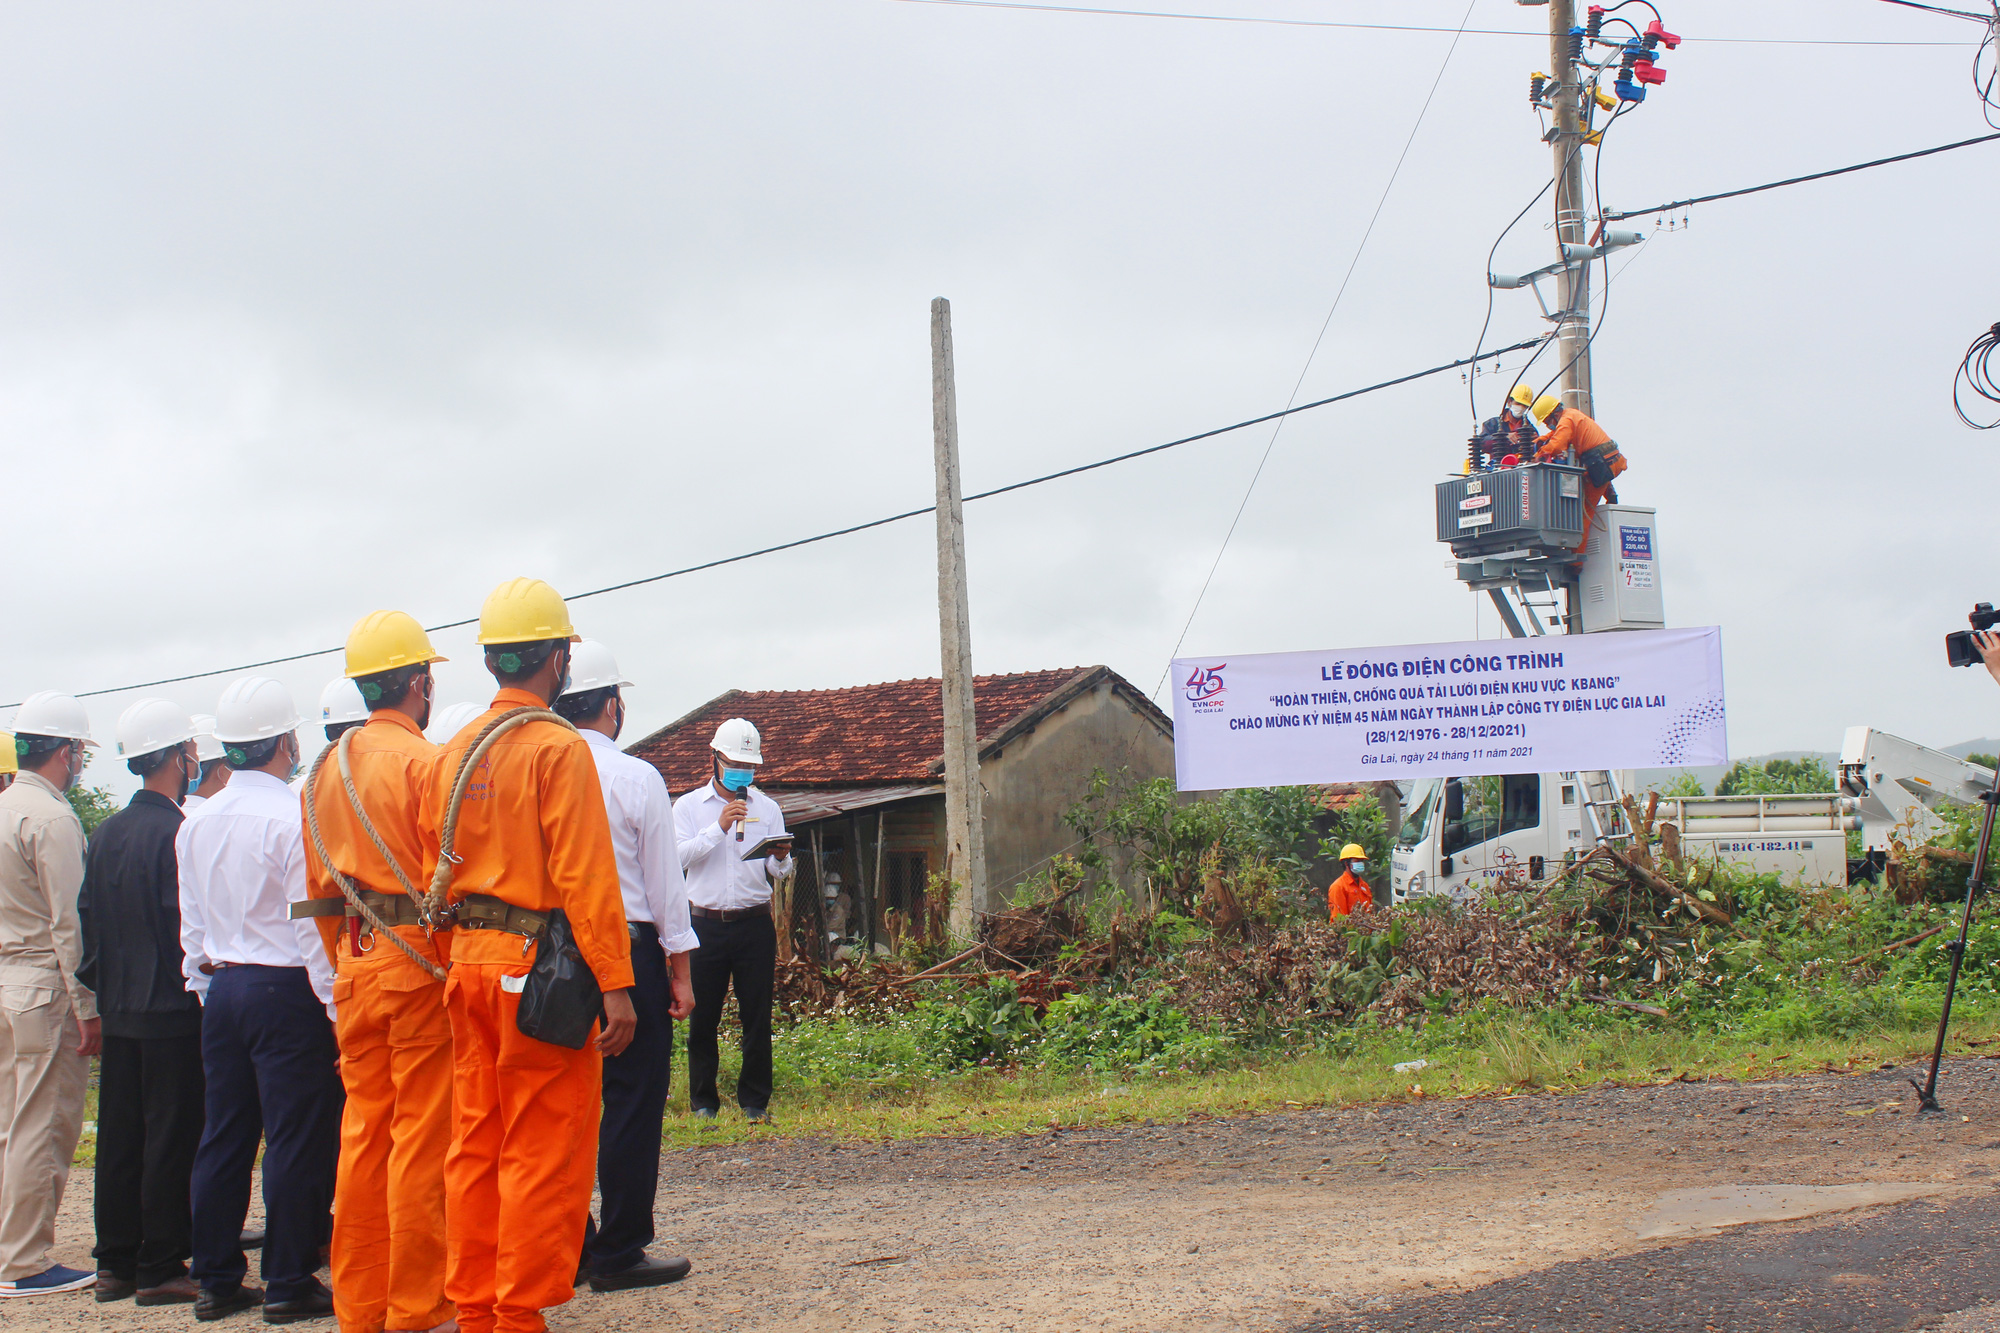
x,y
8,764
524,611
1521,394
385,640
1544,405
1352,852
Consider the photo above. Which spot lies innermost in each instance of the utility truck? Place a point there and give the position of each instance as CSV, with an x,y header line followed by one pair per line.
x,y
1513,531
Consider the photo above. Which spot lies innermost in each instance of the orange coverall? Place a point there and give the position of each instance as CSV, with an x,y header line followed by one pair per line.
x,y
387,1261
1348,894
1574,430
532,832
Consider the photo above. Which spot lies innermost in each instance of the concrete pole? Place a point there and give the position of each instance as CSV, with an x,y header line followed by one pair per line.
x,y
965,832
1572,225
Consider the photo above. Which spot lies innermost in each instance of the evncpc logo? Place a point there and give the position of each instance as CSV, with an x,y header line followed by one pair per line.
x,y
1204,688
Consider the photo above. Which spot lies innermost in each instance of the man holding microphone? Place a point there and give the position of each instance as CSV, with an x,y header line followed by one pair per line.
x,y
719,824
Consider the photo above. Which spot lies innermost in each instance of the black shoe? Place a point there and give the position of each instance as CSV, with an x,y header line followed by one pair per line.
x,y
111,1287
221,1302
757,1115
315,1304
174,1291
648,1272
252,1239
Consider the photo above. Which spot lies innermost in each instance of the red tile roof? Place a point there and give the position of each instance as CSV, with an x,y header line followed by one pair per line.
x,y
861,736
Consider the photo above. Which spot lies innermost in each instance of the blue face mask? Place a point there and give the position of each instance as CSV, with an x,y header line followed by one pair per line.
x,y
736,779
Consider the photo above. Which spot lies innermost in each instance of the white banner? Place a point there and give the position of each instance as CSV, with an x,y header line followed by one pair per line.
x,y
1638,699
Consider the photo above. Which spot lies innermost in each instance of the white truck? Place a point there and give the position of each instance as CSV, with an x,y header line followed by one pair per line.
x,y
1461,833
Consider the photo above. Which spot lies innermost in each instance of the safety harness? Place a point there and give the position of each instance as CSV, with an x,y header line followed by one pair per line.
x,y
433,912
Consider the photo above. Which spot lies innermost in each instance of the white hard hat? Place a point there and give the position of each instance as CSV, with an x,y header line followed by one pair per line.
x,y
738,740
254,708
449,721
341,701
206,747
152,724
46,713
591,667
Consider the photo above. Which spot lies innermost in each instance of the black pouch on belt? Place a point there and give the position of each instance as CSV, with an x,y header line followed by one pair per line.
x,y
560,1001
1597,464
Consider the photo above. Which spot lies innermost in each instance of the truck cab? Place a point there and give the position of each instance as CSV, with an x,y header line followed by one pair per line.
x,y
1462,833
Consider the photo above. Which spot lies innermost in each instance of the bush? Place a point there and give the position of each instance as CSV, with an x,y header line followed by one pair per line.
x,y
843,1051
979,1025
1123,1034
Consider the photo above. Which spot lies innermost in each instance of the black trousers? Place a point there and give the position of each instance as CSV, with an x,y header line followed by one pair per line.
x,y
636,1081
149,1115
268,1052
745,953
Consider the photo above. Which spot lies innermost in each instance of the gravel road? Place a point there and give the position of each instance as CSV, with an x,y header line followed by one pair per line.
x,y
1508,1213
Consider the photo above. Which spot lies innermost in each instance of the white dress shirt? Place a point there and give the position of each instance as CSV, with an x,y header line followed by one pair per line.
x,y
642,835
192,804
717,876
242,865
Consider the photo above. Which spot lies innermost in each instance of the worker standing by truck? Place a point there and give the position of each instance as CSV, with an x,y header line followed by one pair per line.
x,y
1350,893
529,839
388,1255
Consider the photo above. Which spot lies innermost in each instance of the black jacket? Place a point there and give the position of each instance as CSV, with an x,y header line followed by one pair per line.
x,y
130,909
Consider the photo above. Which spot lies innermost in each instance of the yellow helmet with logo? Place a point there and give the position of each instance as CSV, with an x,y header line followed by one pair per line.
x,y
524,611
1353,852
385,640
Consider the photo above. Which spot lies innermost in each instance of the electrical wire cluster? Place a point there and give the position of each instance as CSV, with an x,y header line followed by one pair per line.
x,y
1605,48
1985,61
1977,374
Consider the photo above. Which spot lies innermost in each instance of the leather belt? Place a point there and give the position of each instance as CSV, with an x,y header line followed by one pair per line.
x,y
477,911
732,914
394,908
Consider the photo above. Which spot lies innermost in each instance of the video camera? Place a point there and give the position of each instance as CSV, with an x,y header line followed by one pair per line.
x,y
1959,649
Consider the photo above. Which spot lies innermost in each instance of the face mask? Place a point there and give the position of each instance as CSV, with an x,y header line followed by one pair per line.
x,y
190,775
75,774
736,779
1360,867
618,718
1516,411
297,767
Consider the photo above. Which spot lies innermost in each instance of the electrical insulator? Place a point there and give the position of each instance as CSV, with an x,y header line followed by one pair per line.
x,y
1655,32
1596,23
1536,83
1575,44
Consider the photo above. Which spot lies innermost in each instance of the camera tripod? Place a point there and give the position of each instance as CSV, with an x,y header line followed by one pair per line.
x,y
1927,1091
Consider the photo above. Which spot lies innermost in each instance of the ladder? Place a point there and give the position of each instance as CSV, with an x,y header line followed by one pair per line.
x,y
1599,799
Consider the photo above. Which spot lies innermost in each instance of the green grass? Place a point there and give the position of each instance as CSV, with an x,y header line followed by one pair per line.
x,y
1496,1055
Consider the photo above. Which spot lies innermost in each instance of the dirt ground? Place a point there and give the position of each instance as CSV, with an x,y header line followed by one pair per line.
x,y
1318,1218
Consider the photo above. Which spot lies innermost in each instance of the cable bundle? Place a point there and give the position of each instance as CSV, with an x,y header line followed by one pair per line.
x,y
1976,373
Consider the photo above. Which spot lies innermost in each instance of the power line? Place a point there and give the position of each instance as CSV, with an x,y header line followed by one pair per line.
x,y
1325,324
1621,214
864,527
1391,27
1935,9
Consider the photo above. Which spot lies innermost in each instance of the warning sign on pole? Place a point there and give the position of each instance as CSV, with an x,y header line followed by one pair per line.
x,y
1641,699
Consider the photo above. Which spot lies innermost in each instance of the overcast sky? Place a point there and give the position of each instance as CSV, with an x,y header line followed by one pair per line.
x,y
307,310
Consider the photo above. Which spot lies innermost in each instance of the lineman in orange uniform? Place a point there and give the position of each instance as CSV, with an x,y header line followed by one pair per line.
x,y
531,836
388,1256
1596,452
1350,893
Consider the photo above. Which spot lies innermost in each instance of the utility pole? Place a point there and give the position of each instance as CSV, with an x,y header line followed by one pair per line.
x,y
1573,286
965,831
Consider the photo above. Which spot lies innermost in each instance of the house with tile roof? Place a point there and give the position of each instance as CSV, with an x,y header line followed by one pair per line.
x,y
859,773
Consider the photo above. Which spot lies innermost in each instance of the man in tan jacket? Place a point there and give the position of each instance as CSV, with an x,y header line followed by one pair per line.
x,y
48,1019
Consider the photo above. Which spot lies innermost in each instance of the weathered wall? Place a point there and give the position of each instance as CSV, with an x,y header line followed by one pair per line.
x,y
1037,776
